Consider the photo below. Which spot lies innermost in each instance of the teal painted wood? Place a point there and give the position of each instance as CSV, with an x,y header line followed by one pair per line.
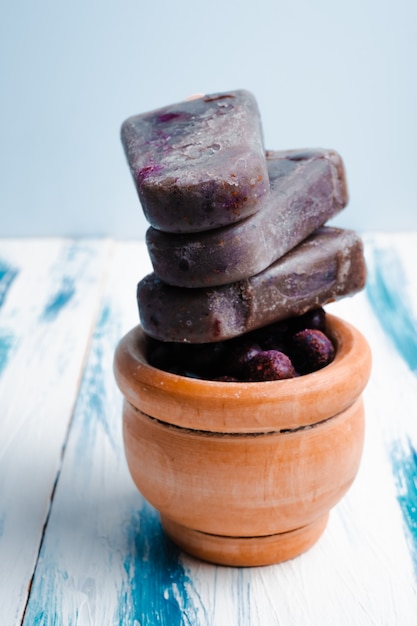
x,y
391,327
48,296
392,291
104,558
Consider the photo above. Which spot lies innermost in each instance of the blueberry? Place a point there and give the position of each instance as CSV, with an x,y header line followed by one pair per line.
x,y
314,318
238,353
161,355
269,365
285,349
312,350
192,360
203,360
273,337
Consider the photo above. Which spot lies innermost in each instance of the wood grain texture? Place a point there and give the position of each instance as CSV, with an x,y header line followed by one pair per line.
x,y
104,558
48,306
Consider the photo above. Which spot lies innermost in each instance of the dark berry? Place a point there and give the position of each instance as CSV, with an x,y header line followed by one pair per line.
x,y
272,337
203,360
238,353
315,318
162,356
269,365
285,349
312,350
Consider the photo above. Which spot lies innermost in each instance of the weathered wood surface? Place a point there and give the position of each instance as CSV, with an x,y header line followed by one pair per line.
x,y
49,293
79,545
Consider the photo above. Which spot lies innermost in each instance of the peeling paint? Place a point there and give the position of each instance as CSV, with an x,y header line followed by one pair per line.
x,y
7,341
157,590
387,294
388,298
60,299
404,464
7,276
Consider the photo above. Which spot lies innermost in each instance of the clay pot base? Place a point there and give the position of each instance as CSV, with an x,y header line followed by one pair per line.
x,y
245,551
255,467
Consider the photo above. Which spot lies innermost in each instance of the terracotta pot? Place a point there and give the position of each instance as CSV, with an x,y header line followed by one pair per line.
x,y
244,473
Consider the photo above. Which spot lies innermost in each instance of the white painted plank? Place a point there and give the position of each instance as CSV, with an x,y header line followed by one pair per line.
x,y
46,315
88,567
361,571
105,560
392,329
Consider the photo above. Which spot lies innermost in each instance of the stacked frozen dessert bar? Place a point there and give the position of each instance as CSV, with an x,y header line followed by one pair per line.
x,y
238,237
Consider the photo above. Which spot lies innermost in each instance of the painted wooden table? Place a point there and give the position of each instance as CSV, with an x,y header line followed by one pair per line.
x,y
80,546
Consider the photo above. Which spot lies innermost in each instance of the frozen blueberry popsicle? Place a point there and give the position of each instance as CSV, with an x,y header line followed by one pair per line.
x,y
308,187
326,266
198,164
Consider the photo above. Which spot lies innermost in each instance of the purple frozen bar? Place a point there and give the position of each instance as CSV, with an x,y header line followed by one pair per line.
x,y
326,266
198,164
308,187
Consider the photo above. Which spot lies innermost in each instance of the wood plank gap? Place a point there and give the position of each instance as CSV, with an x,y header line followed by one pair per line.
x,y
98,304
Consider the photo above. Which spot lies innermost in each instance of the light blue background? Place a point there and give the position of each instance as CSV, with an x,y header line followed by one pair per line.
x,y
325,73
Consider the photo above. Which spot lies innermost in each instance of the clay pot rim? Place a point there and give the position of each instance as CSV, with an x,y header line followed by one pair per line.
x,y
274,405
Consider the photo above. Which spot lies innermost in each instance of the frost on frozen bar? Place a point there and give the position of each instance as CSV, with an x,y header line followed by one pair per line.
x,y
327,266
307,188
198,164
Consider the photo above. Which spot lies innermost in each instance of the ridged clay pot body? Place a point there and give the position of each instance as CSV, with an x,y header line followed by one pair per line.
x,y
244,474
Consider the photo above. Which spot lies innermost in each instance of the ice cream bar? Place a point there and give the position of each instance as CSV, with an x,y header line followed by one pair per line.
x,y
307,188
325,267
198,164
